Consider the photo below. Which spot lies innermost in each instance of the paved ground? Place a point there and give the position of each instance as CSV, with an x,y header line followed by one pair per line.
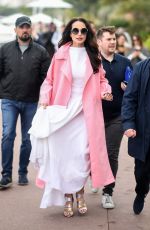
x,y
19,206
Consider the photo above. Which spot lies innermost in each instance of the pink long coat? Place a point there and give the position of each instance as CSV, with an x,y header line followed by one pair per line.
x,y
56,89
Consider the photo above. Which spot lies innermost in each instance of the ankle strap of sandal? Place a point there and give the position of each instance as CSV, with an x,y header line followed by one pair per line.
x,y
79,195
68,198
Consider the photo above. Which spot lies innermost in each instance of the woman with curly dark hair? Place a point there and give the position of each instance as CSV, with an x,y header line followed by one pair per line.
x,y
67,134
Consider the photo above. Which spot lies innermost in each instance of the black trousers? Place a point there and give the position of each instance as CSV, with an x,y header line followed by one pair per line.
x,y
114,134
142,176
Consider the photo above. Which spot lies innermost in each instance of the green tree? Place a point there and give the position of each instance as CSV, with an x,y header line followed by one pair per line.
x,y
136,12
87,9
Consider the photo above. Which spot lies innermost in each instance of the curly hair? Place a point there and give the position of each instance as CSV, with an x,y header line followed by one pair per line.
x,y
90,42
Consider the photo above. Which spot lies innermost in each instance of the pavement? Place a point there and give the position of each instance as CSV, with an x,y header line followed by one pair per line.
x,y
19,205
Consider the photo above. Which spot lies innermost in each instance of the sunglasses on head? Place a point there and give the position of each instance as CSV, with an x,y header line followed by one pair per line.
x,y
76,31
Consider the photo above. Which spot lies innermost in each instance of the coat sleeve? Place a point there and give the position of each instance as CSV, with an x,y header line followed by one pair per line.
x,y
1,63
45,62
104,85
130,100
46,87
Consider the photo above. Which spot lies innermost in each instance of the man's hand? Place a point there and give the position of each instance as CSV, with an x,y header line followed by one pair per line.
x,y
130,133
123,86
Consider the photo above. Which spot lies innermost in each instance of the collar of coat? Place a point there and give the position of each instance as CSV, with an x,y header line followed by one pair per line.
x,y
63,53
30,43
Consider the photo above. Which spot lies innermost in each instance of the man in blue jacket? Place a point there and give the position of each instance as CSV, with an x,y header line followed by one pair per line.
x,y
136,124
23,67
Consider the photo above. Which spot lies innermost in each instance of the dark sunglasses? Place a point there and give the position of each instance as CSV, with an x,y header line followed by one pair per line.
x,y
83,31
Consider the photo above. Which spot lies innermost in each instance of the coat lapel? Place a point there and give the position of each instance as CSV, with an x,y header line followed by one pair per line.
x,y
63,55
88,71
66,69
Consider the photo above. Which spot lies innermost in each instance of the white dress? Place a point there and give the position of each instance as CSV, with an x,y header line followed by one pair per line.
x,y
65,160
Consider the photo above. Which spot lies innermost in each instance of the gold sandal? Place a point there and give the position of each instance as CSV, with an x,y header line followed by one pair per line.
x,y
81,205
68,208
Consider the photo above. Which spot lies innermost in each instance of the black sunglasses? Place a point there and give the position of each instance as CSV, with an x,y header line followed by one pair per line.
x,y
83,31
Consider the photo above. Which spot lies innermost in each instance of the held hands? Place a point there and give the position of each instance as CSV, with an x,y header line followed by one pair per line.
x,y
130,133
107,97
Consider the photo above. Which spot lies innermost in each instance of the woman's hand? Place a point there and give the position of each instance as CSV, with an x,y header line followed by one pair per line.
x,y
130,133
44,105
107,97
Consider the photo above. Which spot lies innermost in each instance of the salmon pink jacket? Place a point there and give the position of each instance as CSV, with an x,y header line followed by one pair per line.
x,y
56,90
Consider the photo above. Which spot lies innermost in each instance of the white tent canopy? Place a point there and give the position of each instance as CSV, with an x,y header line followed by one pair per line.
x,y
40,17
49,4
7,33
39,5
7,29
10,20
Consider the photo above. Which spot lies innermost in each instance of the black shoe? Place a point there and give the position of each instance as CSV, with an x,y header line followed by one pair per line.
x,y
5,182
138,204
23,180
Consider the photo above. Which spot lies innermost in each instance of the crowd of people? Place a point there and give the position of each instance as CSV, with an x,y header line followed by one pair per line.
x,y
131,47
92,87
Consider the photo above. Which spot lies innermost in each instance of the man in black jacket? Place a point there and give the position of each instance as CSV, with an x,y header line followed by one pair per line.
x,y
136,124
23,67
115,66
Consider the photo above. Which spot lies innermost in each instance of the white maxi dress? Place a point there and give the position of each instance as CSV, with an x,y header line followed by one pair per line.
x,y
60,142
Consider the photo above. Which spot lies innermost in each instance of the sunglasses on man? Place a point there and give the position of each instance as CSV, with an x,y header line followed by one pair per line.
x,y
76,31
